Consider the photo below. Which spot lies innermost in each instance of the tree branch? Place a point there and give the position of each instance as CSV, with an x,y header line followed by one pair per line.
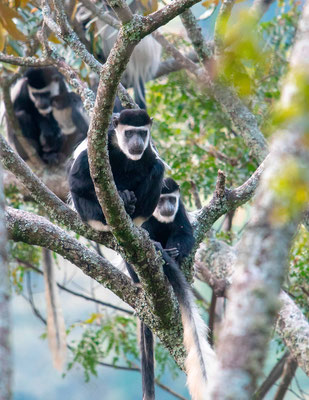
x,y
271,379
32,229
221,23
54,207
288,375
265,245
5,315
293,328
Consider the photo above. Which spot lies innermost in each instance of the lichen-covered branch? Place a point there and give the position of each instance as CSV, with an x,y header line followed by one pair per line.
x,y
25,61
32,229
293,328
138,248
264,248
220,260
223,201
204,50
5,318
53,206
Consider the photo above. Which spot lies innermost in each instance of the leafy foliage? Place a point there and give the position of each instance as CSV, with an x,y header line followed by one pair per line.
x,y
113,338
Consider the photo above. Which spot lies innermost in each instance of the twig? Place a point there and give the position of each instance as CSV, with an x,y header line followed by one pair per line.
x,y
212,316
271,379
77,294
290,368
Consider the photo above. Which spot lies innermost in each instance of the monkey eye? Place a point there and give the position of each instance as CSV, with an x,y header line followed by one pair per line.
x,y
128,134
143,133
172,200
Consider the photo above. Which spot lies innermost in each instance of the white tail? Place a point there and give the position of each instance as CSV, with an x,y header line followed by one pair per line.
x,y
200,356
56,333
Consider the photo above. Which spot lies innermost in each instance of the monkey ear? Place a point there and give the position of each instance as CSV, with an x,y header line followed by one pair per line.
x,y
115,121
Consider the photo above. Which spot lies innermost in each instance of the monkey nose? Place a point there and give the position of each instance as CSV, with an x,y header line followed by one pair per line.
x,y
136,150
167,212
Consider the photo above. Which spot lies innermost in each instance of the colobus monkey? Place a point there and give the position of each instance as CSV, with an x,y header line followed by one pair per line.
x,y
68,111
169,224
144,61
136,168
31,97
170,228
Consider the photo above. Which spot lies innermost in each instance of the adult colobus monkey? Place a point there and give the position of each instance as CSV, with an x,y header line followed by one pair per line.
x,y
31,98
136,168
144,61
170,228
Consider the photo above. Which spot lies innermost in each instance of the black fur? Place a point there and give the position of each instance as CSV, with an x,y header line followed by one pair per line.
x,y
147,352
142,177
40,130
133,118
74,117
177,234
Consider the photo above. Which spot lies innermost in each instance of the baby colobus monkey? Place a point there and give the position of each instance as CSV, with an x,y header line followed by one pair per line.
x,y
136,168
31,97
170,228
68,111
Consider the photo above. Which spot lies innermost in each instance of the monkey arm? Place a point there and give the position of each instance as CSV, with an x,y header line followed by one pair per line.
x,y
182,238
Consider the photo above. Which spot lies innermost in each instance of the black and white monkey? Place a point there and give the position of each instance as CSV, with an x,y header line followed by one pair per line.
x,y
170,228
136,167
68,111
31,97
51,118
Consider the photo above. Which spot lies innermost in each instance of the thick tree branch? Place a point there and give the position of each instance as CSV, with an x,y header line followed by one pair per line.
x,y
222,202
220,261
293,328
32,229
5,314
265,245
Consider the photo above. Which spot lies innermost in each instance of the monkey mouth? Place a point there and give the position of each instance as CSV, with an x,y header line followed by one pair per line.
x,y
44,111
166,213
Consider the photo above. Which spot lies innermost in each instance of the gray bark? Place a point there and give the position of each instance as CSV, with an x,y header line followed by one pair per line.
x,y
5,319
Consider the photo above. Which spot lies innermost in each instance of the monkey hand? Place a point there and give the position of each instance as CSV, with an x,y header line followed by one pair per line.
x,y
173,252
129,201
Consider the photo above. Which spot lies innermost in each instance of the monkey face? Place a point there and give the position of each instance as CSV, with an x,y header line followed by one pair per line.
x,y
167,207
133,140
42,97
